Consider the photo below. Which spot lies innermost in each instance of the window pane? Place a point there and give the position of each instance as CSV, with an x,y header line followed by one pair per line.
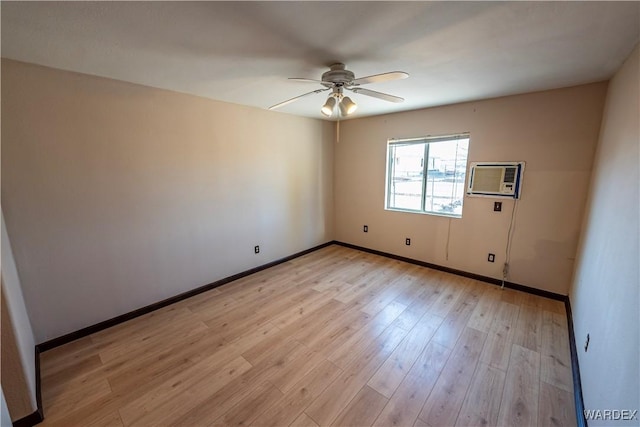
x,y
446,177
405,176
427,175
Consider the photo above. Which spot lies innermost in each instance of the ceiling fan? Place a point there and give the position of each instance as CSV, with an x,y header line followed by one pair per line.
x,y
337,79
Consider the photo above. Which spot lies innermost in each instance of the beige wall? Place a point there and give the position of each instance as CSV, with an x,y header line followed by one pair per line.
x,y
117,195
554,132
606,290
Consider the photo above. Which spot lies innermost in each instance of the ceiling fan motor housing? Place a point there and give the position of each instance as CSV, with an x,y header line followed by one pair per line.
x,y
337,79
337,76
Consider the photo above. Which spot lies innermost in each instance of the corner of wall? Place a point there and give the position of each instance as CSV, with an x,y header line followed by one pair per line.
x,y
604,292
20,352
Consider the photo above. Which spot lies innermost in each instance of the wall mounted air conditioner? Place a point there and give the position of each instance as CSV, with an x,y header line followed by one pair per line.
x,y
495,179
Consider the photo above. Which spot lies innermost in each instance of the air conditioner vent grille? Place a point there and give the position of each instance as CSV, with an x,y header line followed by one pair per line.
x,y
510,174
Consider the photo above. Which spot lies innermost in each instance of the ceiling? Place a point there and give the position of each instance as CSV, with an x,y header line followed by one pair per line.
x,y
243,52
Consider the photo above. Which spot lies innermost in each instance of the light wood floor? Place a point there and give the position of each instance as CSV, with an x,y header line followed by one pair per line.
x,y
336,337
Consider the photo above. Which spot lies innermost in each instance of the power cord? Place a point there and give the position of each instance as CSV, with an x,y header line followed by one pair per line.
x,y
507,258
448,239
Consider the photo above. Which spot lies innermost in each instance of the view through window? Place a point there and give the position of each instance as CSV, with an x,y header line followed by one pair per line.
x,y
427,175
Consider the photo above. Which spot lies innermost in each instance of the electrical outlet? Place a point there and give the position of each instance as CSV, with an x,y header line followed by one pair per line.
x,y
497,206
407,241
586,344
491,258
365,228
256,249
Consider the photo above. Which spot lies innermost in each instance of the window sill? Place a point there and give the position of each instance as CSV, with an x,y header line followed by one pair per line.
x,y
446,215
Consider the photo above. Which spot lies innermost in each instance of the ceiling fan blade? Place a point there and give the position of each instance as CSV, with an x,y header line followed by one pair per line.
x,y
375,94
379,78
301,79
289,101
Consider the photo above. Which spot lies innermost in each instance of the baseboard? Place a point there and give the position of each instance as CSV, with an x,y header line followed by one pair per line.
x,y
575,369
38,416
30,420
72,336
482,278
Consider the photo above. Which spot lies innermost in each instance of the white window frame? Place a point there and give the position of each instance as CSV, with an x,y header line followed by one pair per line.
x,y
426,140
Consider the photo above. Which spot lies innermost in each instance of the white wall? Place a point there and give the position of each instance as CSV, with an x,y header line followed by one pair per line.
x,y
5,419
554,132
12,291
605,296
117,196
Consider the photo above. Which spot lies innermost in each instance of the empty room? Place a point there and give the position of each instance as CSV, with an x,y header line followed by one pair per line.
x,y
320,213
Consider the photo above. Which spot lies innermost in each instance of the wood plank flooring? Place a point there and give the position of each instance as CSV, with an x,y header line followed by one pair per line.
x,y
335,337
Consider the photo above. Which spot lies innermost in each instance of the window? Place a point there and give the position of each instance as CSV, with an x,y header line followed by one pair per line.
x,y
427,175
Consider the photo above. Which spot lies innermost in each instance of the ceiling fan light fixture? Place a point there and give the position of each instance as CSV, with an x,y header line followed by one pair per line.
x,y
327,108
347,106
338,79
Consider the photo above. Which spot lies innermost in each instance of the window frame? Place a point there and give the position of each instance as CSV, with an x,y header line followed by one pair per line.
x,y
427,141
